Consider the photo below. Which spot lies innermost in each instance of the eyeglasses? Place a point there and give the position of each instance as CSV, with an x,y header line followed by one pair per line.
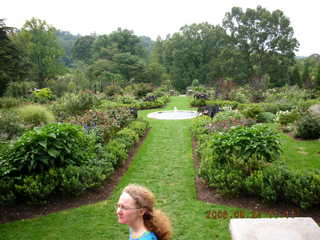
x,y
117,206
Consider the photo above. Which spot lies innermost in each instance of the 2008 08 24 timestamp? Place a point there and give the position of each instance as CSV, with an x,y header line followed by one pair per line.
x,y
224,214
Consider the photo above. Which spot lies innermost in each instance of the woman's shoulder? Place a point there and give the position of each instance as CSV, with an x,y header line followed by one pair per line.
x,y
147,236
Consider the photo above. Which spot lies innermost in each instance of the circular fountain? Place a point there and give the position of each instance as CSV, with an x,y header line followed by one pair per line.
x,y
173,115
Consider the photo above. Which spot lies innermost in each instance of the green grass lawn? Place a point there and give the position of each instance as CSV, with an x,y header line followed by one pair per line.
x,y
164,164
300,154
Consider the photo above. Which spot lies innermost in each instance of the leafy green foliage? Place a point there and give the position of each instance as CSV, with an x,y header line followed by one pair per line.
x,y
286,117
12,66
241,160
265,117
252,111
141,90
61,159
74,180
256,29
54,145
249,148
43,95
39,42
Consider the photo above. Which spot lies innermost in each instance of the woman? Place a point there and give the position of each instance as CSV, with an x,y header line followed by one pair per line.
x,y
136,209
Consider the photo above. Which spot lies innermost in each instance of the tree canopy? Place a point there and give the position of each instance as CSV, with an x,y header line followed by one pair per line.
x,y
39,42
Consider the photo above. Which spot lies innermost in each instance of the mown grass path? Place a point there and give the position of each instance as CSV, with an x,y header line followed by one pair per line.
x,y
164,164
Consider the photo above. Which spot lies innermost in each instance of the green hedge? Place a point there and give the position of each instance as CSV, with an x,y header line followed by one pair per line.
x,y
241,162
63,160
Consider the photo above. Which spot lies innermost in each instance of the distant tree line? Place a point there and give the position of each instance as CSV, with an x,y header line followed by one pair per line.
x,y
255,46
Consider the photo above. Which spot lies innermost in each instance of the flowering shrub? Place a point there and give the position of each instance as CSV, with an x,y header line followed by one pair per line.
x,y
104,123
286,117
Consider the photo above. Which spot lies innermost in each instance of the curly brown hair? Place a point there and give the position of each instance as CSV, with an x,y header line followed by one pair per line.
x,y
154,220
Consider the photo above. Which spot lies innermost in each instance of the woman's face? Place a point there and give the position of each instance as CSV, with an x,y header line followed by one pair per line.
x,y
127,211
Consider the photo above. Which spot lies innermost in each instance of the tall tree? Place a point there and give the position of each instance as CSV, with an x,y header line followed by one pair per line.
x,y
83,49
12,65
190,52
39,41
265,40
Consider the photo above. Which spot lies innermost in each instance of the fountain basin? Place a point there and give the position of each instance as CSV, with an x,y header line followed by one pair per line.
x,y
173,115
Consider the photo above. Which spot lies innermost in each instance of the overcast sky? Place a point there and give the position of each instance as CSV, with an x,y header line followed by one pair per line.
x,y
157,17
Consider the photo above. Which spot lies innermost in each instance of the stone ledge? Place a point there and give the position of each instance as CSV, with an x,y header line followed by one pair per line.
x,y
300,228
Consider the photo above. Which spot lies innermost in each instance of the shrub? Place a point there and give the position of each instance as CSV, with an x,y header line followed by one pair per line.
x,y
266,117
225,115
7,193
72,103
74,180
42,95
228,181
252,111
223,103
286,117
20,89
9,102
115,152
248,148
308,127
35,115
36,188
52,146
303,189
10,125
159,102
226,125
240,95
141,90
139,127
112,90
270,107
198,102
127,136
126,100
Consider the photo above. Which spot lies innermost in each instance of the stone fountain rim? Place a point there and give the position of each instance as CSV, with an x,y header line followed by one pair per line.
x,y
150,115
